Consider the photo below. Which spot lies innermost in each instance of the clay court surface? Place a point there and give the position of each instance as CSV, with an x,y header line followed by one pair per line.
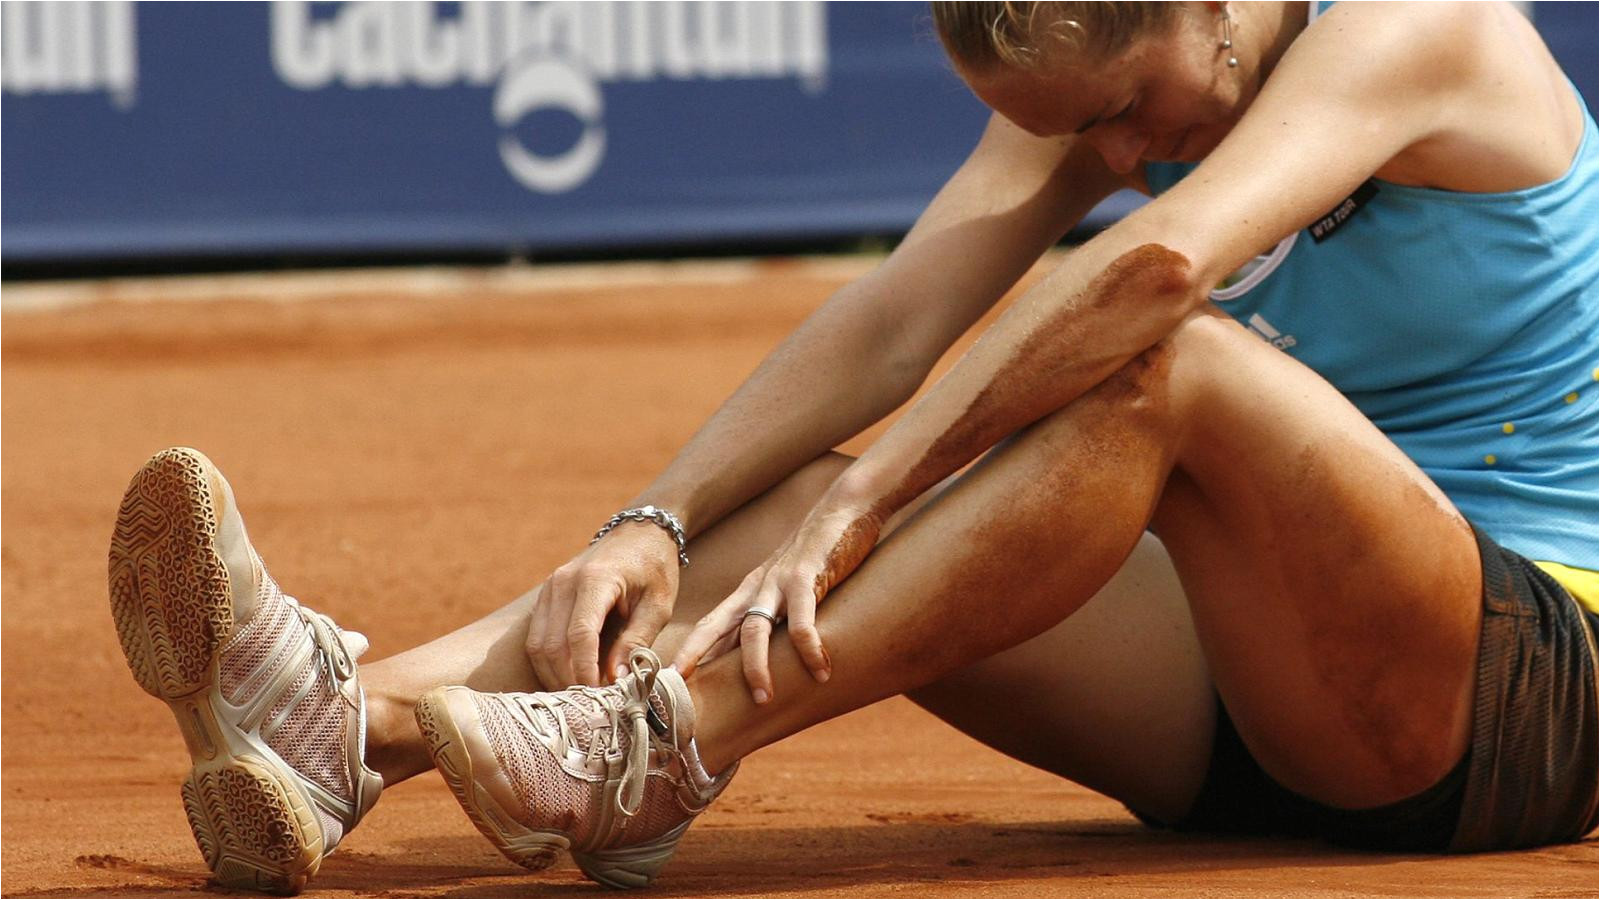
x,y
413,449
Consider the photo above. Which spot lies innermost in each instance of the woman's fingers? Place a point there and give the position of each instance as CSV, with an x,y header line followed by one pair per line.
x,y
713,626
755,634
731,622
707,633
648,617
773,589
711,638
548,633
557,654
595,595
801,607
725,644
538,624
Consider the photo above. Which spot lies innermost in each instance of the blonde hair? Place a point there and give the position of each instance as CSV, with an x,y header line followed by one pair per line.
x,y
983,35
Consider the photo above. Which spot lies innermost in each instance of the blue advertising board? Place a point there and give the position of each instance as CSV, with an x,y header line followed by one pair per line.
x,y
138,130
214,128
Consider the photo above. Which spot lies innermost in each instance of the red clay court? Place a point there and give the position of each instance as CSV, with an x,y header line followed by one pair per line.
x,y
414,448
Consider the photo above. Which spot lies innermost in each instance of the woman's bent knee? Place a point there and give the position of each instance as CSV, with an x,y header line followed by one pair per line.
x,y
1166,376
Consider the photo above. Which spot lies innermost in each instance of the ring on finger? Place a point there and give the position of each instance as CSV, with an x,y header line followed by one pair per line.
x,y
767,614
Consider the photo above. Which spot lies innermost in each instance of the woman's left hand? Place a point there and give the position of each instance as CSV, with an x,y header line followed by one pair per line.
x,y
823,551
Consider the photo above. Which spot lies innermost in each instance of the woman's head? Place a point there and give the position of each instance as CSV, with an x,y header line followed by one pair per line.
x,y
983,35
1140,81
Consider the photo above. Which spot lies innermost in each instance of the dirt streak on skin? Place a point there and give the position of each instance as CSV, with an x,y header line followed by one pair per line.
x,y
1015,398
1388,667
1381,695
859,537
1082,487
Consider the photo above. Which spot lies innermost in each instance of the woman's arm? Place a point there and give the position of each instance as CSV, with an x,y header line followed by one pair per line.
x,y
869,347
1356,92
1306,143
852,362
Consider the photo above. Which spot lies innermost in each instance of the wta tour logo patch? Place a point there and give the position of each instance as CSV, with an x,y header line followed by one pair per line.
x,y
1323,228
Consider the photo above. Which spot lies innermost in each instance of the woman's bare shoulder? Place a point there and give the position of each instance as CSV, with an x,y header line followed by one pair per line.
x,y
1501,115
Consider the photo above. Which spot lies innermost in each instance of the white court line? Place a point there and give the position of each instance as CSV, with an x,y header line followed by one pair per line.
x,y
424,281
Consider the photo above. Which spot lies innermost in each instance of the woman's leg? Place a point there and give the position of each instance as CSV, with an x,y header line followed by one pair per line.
x,y
489,654
1119,698
1334,589
1133,648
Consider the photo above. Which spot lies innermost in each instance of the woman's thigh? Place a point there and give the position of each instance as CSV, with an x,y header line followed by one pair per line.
x,y
1335,590
1116,697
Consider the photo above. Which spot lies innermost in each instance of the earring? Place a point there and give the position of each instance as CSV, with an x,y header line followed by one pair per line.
x,y
1227,37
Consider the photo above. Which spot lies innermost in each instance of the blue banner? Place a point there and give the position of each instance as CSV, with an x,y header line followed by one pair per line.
x,y
136,130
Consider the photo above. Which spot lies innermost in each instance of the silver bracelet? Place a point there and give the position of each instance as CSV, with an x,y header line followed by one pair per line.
x,y
650,514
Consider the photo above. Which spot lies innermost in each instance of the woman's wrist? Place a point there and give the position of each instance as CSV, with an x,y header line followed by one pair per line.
x,y
862,487
649,514
677,501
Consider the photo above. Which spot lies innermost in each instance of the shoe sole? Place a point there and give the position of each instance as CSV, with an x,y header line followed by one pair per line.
x,y
172,602
621,868
635,866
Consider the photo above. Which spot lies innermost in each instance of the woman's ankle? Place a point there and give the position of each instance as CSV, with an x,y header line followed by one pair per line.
x,y
725,717
395,748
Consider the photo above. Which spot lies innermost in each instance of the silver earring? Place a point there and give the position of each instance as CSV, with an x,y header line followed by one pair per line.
x,y
1227,37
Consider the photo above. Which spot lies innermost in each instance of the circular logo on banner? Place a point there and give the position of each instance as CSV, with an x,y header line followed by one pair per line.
x,y
546,61
532,83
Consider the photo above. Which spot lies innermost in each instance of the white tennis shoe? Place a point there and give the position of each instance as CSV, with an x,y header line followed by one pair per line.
x,y
264,690
608,773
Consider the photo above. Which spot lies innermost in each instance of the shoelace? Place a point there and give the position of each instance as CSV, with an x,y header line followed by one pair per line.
x,y
330,645
623,700
325,634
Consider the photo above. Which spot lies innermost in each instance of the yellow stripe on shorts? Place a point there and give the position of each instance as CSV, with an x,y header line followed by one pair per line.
x,y
1580,583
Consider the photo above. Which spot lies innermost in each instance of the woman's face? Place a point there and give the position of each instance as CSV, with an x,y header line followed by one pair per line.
x,y
1170,96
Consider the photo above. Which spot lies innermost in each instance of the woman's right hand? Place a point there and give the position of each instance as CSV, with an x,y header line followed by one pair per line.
x,y
633,572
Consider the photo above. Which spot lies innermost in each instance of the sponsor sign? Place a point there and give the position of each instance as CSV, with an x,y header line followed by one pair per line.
x,y
138,130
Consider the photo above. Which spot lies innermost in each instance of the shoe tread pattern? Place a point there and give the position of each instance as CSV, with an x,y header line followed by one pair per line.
x,y
169,588
251,831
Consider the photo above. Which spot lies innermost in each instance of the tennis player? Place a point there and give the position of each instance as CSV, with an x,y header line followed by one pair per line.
x,y
1272,509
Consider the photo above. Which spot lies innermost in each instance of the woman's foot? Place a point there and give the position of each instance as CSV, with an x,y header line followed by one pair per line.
x,y
610,773
264,690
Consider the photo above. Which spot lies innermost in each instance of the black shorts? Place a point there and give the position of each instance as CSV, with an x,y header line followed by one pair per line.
x,y
1529,775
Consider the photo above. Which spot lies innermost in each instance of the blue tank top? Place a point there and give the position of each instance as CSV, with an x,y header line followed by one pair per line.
x,y
1467,328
